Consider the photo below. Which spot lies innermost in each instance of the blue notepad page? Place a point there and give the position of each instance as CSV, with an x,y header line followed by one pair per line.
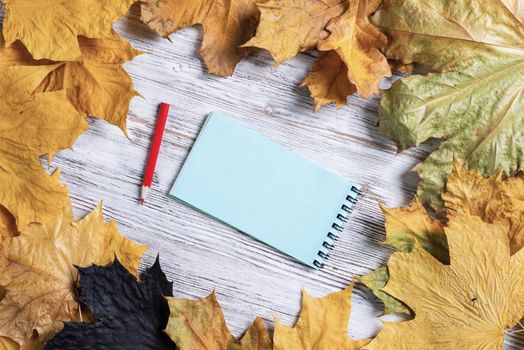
x,y
259,187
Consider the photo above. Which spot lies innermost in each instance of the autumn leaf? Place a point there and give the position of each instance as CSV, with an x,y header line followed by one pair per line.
x,y
19,130
493,199
358,43
468,304
323,324
30,126
339,27
38,274
288,27
474,102
200,325
226,26
132,314
96,86
59,24
407,227
328,81
8,229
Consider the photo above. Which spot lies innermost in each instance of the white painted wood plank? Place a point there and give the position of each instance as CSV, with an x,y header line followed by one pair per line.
x,y
200,254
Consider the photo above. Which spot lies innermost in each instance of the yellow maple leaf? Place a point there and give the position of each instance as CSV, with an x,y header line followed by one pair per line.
x,y
494,199
50,28
288,27
468,304
30,126
406,227
200,325
358,43
37,270
323,324
97,85
227,24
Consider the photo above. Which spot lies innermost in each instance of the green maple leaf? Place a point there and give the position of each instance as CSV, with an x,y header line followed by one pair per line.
x,y
472,101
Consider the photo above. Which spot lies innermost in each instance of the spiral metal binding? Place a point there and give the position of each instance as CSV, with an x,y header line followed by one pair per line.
x,y
342,217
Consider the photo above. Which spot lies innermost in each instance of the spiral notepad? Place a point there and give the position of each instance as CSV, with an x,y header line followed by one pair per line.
x,y
242,178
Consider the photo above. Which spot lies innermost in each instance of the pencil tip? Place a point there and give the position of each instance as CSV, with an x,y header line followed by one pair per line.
x,y
141,201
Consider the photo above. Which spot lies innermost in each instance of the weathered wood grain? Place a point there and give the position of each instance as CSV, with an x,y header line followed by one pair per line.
x,y
200,254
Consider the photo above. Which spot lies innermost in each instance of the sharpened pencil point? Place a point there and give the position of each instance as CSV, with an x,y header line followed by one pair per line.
x,y
143,194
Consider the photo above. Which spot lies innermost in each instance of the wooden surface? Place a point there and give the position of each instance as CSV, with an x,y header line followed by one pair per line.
x,y
200,254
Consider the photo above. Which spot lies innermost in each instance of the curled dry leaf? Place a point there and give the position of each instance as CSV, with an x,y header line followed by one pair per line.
x,y
323,324
59,24
468,304
133,314
227,24
358,43
30,126
97,85
200,325
38,274
328,81
474,104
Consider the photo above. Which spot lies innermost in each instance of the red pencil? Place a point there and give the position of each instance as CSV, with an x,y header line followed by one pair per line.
x,y
153,152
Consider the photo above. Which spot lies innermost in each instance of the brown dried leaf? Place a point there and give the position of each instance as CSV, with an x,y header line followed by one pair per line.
x,y
358,43
328,81
227,24
359,66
